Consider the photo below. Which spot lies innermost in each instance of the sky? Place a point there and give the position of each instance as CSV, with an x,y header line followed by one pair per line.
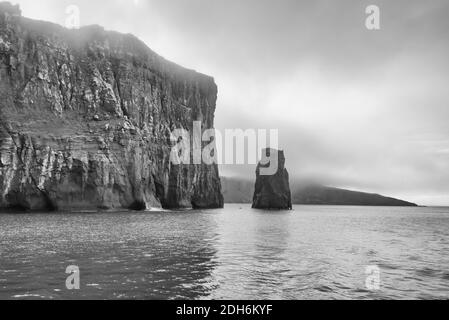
x,y
355,108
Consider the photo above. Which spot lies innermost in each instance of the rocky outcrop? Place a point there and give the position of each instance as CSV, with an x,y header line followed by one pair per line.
x,y
86,117
272,191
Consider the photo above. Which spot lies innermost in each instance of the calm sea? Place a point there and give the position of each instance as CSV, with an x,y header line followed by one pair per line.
x,y
313,252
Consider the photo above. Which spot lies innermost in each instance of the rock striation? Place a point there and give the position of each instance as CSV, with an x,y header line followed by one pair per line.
x,y
272,191
86,117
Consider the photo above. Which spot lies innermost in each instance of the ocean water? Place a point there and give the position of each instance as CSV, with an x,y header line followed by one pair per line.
x,y
312,252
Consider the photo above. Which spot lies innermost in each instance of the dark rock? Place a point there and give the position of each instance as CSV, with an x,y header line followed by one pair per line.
x,y
138,206
272,191
56,83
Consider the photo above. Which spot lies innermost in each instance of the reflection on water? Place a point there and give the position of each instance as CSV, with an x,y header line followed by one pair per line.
x,y
234,253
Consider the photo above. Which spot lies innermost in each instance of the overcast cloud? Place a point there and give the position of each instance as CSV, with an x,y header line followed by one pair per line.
x,y
359,109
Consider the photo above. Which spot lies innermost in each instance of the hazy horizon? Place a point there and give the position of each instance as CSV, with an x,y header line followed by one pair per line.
x,y
357,109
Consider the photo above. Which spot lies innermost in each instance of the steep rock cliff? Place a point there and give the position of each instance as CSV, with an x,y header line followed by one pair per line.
x,y
86,117
273,191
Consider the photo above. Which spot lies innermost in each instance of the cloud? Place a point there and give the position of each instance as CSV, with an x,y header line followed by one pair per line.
x,y
355,108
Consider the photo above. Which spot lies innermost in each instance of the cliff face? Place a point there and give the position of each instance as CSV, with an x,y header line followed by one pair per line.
x,y
273,191
86,117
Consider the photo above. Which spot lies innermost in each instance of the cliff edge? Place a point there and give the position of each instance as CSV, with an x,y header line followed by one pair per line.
x,y
86,117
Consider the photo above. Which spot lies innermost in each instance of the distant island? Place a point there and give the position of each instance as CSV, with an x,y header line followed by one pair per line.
x,y
237,190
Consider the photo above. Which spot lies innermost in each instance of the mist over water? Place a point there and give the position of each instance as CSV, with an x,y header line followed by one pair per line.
x,y
313,252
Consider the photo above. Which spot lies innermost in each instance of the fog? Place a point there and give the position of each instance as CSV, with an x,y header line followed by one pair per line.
x,y
355,108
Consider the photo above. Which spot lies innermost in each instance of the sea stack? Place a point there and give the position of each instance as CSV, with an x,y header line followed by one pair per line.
x,y
272,190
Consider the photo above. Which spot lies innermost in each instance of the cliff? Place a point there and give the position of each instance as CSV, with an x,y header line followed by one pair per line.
x,y
272,191
86,117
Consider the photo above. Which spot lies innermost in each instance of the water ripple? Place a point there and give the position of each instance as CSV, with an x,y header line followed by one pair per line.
x,y
234,253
